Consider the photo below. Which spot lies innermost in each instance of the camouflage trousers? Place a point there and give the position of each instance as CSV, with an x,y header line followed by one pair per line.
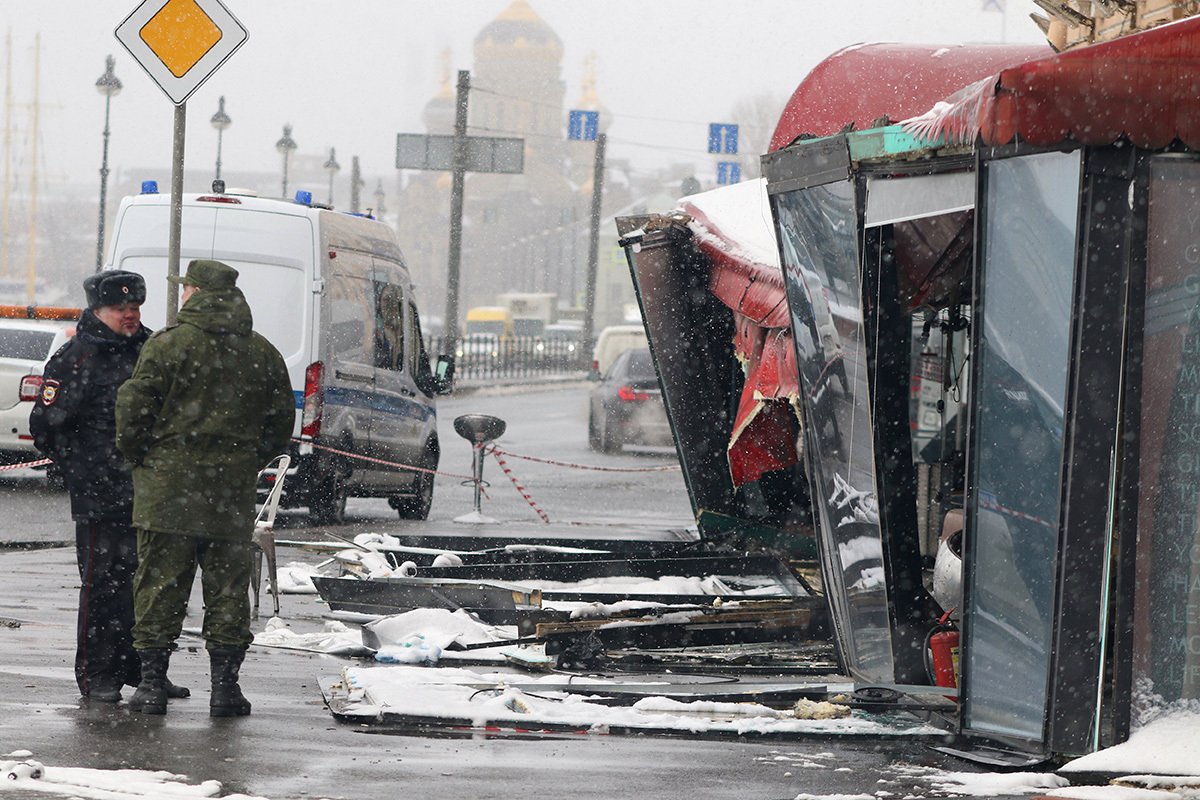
x,y
166,570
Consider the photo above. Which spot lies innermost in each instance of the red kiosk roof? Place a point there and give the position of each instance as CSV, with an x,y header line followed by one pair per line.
x,y
863,82
1143,87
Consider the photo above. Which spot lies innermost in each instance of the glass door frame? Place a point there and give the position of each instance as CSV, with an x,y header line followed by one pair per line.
x,y
1086,523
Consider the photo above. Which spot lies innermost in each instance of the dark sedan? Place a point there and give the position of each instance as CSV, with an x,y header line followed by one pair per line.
x,y
626,406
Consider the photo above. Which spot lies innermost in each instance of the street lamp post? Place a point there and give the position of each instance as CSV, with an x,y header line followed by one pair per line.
x,y
220,121
109,86
332,167
284,147
379,209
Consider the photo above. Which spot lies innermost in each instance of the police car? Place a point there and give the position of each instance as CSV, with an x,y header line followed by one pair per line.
x,y
25,345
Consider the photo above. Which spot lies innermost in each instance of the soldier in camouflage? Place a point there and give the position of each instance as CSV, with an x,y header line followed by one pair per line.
x,y
209,404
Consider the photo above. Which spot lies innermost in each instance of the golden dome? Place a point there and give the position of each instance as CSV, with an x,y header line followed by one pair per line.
x,y
519,27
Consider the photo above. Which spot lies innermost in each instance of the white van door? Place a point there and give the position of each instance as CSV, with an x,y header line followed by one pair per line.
x,y
402,415
350,371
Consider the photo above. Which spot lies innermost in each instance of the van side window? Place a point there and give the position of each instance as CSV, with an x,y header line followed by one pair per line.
x,y
412,325
389,326
419,356
352,318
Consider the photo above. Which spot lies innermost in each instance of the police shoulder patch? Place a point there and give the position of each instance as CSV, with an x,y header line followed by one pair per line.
x,y
49,392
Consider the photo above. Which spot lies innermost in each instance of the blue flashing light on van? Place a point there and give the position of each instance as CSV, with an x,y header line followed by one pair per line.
x,y
304,197
149,187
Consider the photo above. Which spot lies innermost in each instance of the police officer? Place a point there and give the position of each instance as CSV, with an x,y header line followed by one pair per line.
x,y
73,422
209,404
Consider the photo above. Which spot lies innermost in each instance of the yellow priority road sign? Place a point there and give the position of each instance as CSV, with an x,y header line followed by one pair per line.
x,y
180,43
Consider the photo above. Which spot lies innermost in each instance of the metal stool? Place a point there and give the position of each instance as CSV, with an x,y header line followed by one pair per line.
x,y
480,430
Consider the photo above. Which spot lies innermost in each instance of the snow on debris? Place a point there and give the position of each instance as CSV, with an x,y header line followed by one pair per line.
x,y
741,215
1169,745
296,578
990,784
975,784
1113,793
455,694
335,638
28,776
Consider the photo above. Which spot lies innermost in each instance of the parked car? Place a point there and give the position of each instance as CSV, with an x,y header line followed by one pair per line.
x,y
626,406
25,345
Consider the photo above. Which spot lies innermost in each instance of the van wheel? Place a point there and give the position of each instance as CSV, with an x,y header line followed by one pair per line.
x,y
327,504
416,506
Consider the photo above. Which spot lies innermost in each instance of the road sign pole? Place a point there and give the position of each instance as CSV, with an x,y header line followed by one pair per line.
x,y
454,262
589,301
173,246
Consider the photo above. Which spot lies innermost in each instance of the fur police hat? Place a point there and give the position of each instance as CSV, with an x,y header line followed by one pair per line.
x,y
114,288
208,274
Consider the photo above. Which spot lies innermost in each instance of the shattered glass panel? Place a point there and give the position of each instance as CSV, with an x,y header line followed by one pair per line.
x,y
820,258
1024,355
1167,600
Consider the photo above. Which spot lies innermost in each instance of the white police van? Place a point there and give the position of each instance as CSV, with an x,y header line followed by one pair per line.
x,y
331,291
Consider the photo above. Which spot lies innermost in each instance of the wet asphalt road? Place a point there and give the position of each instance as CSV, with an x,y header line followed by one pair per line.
x,y
545,422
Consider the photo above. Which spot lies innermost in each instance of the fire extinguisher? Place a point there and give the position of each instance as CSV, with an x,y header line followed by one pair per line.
x,y
941,652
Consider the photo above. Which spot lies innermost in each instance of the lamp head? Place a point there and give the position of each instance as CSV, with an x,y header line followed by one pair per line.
x,y
108,84
221,120
285,145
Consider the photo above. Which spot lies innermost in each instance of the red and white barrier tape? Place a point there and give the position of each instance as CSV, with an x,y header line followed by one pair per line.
x,y
348,454
38,463
664,468
508,472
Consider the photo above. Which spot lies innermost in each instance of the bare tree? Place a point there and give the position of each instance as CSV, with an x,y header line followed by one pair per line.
x,y
756,117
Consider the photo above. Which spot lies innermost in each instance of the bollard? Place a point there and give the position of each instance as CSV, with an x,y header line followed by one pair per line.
x,y
480,430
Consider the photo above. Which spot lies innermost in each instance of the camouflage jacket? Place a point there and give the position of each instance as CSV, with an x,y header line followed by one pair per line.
x,y
208,405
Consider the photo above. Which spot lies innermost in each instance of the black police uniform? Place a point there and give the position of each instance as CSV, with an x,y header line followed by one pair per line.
x,y
74,423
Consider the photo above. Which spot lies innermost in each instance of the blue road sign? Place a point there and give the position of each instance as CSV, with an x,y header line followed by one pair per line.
x,y
722,138
582,126
728,172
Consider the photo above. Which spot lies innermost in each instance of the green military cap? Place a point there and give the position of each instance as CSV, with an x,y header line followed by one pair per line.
x,y
207,274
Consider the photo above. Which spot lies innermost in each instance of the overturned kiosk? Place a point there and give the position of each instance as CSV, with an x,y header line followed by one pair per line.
x,y
965,352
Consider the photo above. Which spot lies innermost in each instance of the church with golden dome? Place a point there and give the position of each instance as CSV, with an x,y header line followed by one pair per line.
x,y
523,232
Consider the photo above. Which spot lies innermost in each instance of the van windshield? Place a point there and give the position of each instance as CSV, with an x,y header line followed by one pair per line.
x,y
275,294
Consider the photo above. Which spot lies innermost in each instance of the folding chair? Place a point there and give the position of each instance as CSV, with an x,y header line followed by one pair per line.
x,y
264,532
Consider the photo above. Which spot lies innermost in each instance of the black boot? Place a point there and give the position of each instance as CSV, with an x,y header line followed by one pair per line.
x,y
174,691
151,694
104,689
227,699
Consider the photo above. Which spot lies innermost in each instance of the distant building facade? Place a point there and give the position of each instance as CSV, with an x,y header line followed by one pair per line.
x,y
526,232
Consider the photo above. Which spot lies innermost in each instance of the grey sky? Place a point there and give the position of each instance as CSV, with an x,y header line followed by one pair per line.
x,y
352,74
